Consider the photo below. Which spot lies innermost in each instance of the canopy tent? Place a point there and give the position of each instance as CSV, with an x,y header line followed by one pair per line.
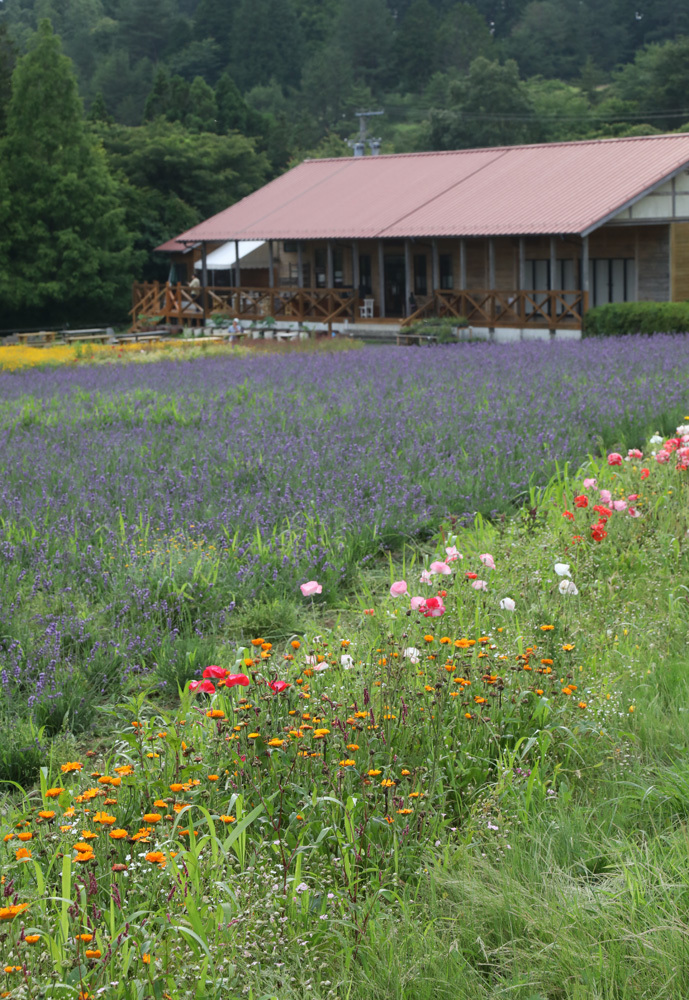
x,y
225,256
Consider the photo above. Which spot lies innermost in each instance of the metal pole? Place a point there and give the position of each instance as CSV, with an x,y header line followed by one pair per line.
x,y
300,265
271,265
522,264
462,265
355,279
407,278
381,279
584,276
237,272
435,266
491,264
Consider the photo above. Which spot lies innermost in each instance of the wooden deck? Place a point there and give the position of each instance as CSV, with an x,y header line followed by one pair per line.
x,y
157,304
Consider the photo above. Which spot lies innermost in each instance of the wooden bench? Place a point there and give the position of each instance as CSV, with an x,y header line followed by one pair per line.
x,y
39,338
417,338
94,335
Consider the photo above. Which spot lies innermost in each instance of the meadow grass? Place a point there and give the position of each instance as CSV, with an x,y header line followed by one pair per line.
x,y
477,788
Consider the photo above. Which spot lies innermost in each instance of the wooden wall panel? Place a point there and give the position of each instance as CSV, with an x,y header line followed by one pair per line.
x,y
679,257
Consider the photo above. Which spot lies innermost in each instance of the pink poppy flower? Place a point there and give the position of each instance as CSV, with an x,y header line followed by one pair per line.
x,y
633,512
417,603
311,588
619,505
440,567
426,577
451,554
635,453
398,589
663,457
208,687
605,496
487,560
479,584
590,484
278,686
214,671
614,458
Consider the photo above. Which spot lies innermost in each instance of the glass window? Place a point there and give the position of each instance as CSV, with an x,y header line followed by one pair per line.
x,y
319,262
420,280
611,279
365,278
338,268
446,276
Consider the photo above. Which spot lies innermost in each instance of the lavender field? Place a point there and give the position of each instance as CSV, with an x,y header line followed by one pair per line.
x,y
144,509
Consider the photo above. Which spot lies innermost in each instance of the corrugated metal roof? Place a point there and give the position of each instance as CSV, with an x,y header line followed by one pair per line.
x,y
569,187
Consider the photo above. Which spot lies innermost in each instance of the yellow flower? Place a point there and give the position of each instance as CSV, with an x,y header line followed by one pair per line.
x,y
387,783
253,736
373,773
547,628
347,763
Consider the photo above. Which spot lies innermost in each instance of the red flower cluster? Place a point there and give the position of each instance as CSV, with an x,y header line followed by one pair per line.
x,y
581,501
222,676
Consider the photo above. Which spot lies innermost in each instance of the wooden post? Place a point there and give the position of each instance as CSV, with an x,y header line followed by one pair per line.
x,y
435,272
237,271
491,279
356,278
329,276
462,265
300,265
381,279
552,308
584,276
204,281
407,278
522,264
271,265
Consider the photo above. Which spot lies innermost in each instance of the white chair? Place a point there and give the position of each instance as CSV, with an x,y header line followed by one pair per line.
x,y
366,310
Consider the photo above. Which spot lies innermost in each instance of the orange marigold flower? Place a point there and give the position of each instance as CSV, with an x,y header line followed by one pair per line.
x,y
152,817
88,834
53,793
176,787
32,938
226,819
86,938
10,912
118,834
23,854
428,638
373,773
105,818
547,628
84,856
213,777
25,835
71,765
146,958
124,770
156,857
93,952
47,813
215,713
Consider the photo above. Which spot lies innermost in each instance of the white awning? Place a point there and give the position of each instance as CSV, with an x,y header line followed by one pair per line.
x,y
225,257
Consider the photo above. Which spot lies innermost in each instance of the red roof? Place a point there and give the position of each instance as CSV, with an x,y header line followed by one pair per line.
x,y
172,246
564,187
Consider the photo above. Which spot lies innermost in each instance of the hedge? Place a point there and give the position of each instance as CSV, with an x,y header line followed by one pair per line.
x,y
621,318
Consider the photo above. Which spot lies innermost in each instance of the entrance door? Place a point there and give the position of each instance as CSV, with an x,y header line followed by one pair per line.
x,y
394,286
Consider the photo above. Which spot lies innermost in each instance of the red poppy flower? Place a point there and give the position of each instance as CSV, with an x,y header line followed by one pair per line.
x,y
581,501
216,672
645,473
278,686
206,686
604,512
232,679
598,532
569,515
471,576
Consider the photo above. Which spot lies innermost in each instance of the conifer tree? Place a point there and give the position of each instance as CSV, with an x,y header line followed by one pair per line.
x,y
70,253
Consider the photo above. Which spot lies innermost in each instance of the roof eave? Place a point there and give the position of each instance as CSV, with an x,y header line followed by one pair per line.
x,y
632,201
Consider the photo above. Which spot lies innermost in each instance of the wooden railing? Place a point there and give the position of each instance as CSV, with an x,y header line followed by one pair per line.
x,y
158,303
553,309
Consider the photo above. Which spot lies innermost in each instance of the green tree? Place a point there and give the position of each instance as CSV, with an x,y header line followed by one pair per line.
x,y
7,63
365,34
463,37
415,45
326,84
562,111
657,81
490,107
233,111
550,39
203,112
266,44
71,253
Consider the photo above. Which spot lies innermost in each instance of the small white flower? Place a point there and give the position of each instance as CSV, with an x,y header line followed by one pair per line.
x,y
507,604
562,569
412,654
568,587
347,661
656,439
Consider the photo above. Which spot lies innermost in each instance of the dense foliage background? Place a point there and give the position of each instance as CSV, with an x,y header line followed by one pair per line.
x,y
183,106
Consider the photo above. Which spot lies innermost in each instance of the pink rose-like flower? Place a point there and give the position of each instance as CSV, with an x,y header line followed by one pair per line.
x,y
433,608
590,484
479,584
663,457
440,567
605,496
451,554
635,453
426,577
632,497
614,458
619,505
417,603
487,560
633,512
311,588
398,589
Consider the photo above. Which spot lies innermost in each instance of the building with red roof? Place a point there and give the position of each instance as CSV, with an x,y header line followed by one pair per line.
x,y
513,236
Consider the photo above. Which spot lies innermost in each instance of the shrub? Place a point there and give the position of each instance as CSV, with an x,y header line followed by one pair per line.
x,y
621,318
441,327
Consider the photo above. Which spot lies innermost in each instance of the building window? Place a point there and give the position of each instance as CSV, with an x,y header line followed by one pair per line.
x,y
290,246
319,266
338,268
420,281
446,277
611,279
365,277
